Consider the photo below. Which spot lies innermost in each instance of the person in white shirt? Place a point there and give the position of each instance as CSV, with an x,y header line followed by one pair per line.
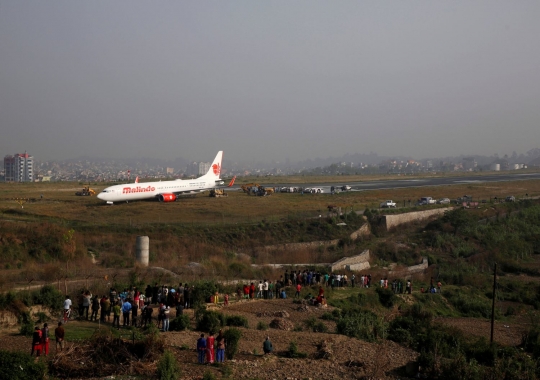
x,y
260,292
67,309
265,289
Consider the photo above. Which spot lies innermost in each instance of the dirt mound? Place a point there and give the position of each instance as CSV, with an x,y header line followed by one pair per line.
x,y
324,350
281,324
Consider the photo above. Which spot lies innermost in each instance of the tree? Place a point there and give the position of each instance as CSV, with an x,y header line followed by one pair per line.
x,y
458,219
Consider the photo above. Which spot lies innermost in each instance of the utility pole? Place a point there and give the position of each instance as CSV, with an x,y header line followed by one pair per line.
x,y
493,304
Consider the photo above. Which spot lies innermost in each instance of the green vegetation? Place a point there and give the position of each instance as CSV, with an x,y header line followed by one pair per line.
x,y
180,323
293,352
21,366
168,368
262,326
232,338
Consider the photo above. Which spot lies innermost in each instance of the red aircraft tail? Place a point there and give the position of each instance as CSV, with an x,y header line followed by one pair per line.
x,y
232,182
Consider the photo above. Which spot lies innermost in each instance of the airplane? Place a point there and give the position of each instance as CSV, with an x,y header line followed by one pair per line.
x,y
165,191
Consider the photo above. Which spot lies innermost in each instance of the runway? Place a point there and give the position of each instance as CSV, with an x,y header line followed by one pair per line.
x,y
416,182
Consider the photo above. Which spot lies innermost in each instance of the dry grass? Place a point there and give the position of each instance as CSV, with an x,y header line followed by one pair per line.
x,y
60,205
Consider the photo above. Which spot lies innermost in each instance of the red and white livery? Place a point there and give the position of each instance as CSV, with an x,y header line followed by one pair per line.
x,y
165,191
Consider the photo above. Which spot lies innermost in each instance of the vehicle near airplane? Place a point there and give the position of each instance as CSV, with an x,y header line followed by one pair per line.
x,y
217,193
165,191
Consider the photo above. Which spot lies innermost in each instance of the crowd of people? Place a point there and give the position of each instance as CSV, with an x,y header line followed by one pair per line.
x,y
134,307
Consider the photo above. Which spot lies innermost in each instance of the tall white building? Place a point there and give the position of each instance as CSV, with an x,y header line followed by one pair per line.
x,y
204,167
19,168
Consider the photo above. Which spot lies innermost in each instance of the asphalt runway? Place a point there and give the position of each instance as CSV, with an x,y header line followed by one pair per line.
x,y
418,182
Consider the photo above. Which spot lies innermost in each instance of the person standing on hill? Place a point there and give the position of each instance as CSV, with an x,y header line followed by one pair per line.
x,y
220,340
252,290
95,308
87,297
134,312
126,310
148,293
201,349
210,348
267,346
45,339
59,335
36,342
67,309
117,310
298,288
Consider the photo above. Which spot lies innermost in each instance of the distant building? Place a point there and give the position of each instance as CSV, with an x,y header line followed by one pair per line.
x,y
170,170
204,167
19,168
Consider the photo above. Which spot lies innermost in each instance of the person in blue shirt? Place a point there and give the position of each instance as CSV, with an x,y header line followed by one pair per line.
x,y
126,310
201,349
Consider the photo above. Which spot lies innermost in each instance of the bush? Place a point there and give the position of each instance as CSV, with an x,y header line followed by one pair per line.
x,y
314,325
167,368
180,323
362,325
208,321
386,297
293,352
48,296
27,325
232,337
236,320
21,366
208,375
262,326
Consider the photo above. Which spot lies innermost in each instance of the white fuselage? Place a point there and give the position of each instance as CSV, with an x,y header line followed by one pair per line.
x,y
149,190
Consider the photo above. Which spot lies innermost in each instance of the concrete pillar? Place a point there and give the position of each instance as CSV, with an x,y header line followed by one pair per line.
x,y
142,250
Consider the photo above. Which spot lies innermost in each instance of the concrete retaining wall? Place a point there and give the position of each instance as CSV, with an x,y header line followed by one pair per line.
x,y
360,261
362,231
412,269
391,221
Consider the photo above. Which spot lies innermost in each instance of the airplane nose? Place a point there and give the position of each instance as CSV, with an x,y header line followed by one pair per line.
x,y
100,196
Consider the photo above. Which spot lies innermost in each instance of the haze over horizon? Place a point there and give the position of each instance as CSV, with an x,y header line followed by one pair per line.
x,y
268,80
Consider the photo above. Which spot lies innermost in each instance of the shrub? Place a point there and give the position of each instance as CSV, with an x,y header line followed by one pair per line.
x,y
167,368
41,317
237,320
226,371
27,325
386,297
262,326
328,317
232,337
362,325
48,296
208,375
180,323
293,352
21,366
208,320
314,325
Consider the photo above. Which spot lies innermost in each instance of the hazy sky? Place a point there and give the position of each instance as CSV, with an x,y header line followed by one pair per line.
x,y
268,79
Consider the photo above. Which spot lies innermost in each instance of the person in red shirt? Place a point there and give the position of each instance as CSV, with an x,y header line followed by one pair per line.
x,y
45,339
246,291
36,342
252,290
298,288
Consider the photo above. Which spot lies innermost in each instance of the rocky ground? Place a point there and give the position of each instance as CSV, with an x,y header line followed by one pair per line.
x,y
345,358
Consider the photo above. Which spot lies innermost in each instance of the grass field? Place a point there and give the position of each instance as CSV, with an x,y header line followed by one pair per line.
x,y
60,205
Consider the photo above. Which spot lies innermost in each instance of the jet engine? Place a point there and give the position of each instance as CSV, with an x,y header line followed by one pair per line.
x,y
167,197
